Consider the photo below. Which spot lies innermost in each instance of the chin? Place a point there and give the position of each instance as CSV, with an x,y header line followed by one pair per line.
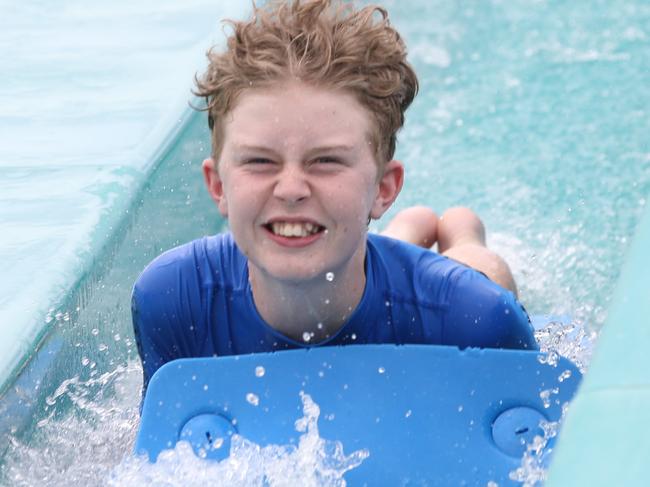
x,y
294,275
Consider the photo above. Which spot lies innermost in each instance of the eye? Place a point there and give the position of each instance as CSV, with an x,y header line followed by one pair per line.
x,y
327,160
258,160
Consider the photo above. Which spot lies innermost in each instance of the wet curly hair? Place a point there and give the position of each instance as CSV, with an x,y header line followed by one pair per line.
x,y
323,43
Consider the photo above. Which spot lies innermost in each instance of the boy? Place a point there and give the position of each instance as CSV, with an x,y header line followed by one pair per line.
x,y
304,107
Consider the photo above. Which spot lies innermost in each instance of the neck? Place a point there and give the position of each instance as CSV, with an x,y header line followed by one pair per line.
x,y
309,311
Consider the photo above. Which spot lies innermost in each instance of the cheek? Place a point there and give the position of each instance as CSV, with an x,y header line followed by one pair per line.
x,y
353,206
245,208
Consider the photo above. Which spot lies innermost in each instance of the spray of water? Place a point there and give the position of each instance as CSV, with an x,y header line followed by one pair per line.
x,y
574,342
90,445
86,437
534,463
313,462
88,428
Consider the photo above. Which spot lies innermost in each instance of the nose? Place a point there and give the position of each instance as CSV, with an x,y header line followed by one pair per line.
x,y
292,185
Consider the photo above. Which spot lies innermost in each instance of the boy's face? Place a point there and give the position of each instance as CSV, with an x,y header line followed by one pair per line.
x,y
297,179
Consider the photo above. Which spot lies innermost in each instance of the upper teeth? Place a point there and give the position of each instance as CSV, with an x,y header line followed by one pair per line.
x,y
293,229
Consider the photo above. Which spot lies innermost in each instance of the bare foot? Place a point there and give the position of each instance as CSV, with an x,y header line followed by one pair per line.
x,y
417,225
461,236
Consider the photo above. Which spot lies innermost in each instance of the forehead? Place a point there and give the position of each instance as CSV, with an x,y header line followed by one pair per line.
x,y
297,113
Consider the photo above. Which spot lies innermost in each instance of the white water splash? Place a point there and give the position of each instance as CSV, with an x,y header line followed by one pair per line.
x,y
314,462
533,468
574,342
79,445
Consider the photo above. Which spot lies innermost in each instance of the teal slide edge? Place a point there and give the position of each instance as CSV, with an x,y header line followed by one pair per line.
x,y
61,214
604,440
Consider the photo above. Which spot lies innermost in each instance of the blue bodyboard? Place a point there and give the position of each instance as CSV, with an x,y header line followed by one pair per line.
x,y
427,415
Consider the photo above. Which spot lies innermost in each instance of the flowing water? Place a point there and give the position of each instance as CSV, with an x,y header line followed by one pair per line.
x,y
532,112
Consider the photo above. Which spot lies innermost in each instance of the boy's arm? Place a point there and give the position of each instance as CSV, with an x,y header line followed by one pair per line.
x,y
152,334
165,307
483,314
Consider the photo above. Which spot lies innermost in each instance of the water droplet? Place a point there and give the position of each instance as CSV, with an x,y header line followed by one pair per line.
x,y
408,414
117,337
306,336
319,326
460,408
217,443
85,361
545,396
354,336
102,347
381,370
329,276
259,371
252,399
95,331
551,358
205,387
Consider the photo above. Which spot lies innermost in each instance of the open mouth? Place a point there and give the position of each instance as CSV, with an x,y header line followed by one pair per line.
x,y
293,229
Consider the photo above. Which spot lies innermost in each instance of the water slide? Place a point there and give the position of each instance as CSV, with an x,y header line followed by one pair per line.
x,y
92,99
84,125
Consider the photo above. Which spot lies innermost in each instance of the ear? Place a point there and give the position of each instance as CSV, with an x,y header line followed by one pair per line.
x,y
389,188
214,184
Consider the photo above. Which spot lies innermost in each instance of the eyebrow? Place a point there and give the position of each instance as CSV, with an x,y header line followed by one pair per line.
x,y
324,148
332,148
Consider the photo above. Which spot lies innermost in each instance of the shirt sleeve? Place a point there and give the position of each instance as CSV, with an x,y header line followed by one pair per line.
x,y
165,307
152,334
483,314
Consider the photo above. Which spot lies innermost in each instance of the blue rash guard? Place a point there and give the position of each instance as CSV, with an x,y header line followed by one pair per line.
x,y
196,301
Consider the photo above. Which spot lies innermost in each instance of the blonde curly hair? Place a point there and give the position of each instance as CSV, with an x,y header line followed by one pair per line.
x,y
323,43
